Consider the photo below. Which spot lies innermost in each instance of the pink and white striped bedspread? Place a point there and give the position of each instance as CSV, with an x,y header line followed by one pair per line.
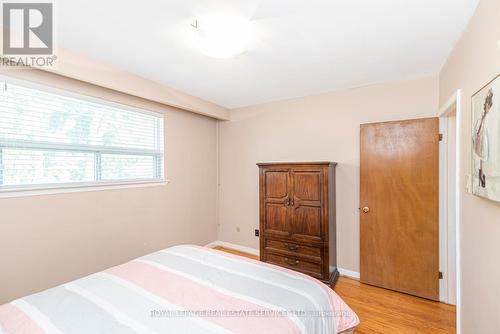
x,y
183,289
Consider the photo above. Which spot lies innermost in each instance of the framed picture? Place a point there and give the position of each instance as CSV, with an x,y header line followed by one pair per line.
x,y
486,141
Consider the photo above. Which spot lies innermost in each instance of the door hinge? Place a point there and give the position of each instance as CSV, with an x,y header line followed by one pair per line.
x,y
440,275
440,137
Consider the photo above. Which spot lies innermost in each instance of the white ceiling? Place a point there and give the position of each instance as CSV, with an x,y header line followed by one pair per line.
x,y
303,47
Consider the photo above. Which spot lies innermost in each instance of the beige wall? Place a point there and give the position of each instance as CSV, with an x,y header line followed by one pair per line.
x,y
48,240
323,127
473,63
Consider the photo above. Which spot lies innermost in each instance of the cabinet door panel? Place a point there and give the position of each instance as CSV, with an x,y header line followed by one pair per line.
x,y
307,216
307,186
307,222
276,184
275,199
276,219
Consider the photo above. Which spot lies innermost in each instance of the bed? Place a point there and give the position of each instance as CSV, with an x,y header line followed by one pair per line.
x,y
183,289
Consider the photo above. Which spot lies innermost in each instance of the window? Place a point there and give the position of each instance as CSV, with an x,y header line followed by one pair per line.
x,y
52,139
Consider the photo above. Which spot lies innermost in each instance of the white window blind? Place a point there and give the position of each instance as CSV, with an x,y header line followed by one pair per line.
x,y
52,138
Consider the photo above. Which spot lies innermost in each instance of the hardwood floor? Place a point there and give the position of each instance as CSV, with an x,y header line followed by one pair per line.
x,y
232,251
383,311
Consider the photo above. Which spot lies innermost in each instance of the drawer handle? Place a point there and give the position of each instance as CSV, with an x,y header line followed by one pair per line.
x,y
291,262
292,247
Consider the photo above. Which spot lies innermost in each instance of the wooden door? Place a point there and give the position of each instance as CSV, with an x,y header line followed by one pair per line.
x,y
307,198
399,192
276,199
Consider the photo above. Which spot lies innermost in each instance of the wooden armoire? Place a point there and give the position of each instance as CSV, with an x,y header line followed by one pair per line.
x,y
297,217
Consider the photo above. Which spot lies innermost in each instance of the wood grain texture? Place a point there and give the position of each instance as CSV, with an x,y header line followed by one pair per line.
x,y
235,252
297,217
308,200
275,201
384,311
399,184
290,248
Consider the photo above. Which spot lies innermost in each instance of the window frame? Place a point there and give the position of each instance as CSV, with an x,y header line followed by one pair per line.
x,y
98,183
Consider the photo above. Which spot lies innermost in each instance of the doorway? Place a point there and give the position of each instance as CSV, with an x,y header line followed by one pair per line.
x,y
450,117
447,216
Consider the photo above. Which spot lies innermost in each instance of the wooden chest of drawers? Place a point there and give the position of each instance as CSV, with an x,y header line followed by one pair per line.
x,y
297,217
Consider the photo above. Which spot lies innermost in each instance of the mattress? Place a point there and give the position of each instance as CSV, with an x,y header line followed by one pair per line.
x,y
183,289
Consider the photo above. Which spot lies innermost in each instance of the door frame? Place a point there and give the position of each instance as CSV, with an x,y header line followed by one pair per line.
x,y
453,107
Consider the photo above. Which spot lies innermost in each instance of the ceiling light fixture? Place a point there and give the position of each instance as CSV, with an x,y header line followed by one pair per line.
x,y
222,35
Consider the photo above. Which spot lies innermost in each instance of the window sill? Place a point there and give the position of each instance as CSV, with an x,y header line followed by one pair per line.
x,y
52,190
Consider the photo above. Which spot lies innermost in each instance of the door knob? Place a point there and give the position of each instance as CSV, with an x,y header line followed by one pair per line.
x,y
366,209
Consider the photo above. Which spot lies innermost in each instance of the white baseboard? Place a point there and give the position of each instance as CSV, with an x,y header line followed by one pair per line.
x,y
255,251
349,273
240,248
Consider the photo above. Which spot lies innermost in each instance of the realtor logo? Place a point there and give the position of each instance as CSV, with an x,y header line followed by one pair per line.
x,y
27,34
28,28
